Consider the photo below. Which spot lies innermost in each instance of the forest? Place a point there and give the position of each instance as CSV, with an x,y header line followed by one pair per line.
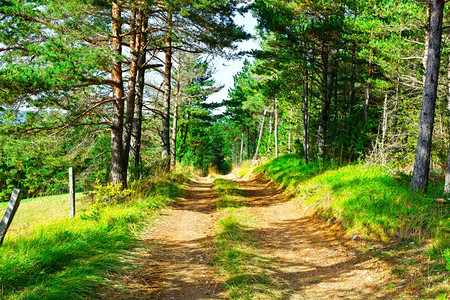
x,y
126,94
118,90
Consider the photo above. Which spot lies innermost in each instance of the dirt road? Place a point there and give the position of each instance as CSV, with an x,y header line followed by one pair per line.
x,y
310,258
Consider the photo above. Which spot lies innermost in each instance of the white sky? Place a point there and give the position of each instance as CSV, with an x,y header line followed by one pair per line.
x,y
226,69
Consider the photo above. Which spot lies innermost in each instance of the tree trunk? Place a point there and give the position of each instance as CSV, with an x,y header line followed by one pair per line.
x,y
261,131
241,154
275,131
447,169
165,128
174,135
248,143
325,103
289,138
175,115
427,40
368,86
270,134
118,175
384,128
135,44
254,137
423,152
184,133
136,135
306,117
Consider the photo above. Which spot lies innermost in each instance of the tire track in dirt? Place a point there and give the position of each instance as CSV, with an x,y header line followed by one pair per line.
x,y
179,248
311,258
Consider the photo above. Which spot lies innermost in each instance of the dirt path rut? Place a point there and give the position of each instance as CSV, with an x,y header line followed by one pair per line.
x,y
310,258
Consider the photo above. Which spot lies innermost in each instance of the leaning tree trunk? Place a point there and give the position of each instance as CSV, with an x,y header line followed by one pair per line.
x,y
261,131
135,44
165,128
423,152
118,174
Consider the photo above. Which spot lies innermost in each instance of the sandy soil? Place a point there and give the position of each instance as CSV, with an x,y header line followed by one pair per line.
x,y
310,258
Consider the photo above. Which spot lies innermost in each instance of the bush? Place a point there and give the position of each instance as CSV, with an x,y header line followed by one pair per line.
x,y
111,193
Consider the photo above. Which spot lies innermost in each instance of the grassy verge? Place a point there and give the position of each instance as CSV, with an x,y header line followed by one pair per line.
x,y
65,259
371,203
238,257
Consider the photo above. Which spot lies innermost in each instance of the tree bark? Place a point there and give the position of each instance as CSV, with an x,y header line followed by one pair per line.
x,y
241,154
447,174
325,103
135,44
136,135
174,136
254,140
118,175
175,114
306,117
368,86
423,151
165,126
384,127
447,169
261,131
427,40
275,131
248,143
270,133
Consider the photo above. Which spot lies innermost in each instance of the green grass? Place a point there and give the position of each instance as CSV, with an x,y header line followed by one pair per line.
x,y
63,259
230,194
239,259
237,253
37,211
368,201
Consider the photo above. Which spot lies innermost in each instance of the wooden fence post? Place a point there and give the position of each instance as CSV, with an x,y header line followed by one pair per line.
x,y
13,204
72,192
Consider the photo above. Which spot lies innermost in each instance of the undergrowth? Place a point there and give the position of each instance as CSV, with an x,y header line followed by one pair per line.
x,y
66,259
369,202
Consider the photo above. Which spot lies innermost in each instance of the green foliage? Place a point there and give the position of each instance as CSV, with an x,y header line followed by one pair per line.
x,y
206,147
367,200
38,163
71,259
447,258
111,193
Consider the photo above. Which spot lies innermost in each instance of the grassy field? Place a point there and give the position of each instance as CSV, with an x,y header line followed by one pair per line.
x,y
378,206
38,211
59,258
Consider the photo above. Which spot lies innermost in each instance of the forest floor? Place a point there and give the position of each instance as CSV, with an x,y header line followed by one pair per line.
x,y
306,257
